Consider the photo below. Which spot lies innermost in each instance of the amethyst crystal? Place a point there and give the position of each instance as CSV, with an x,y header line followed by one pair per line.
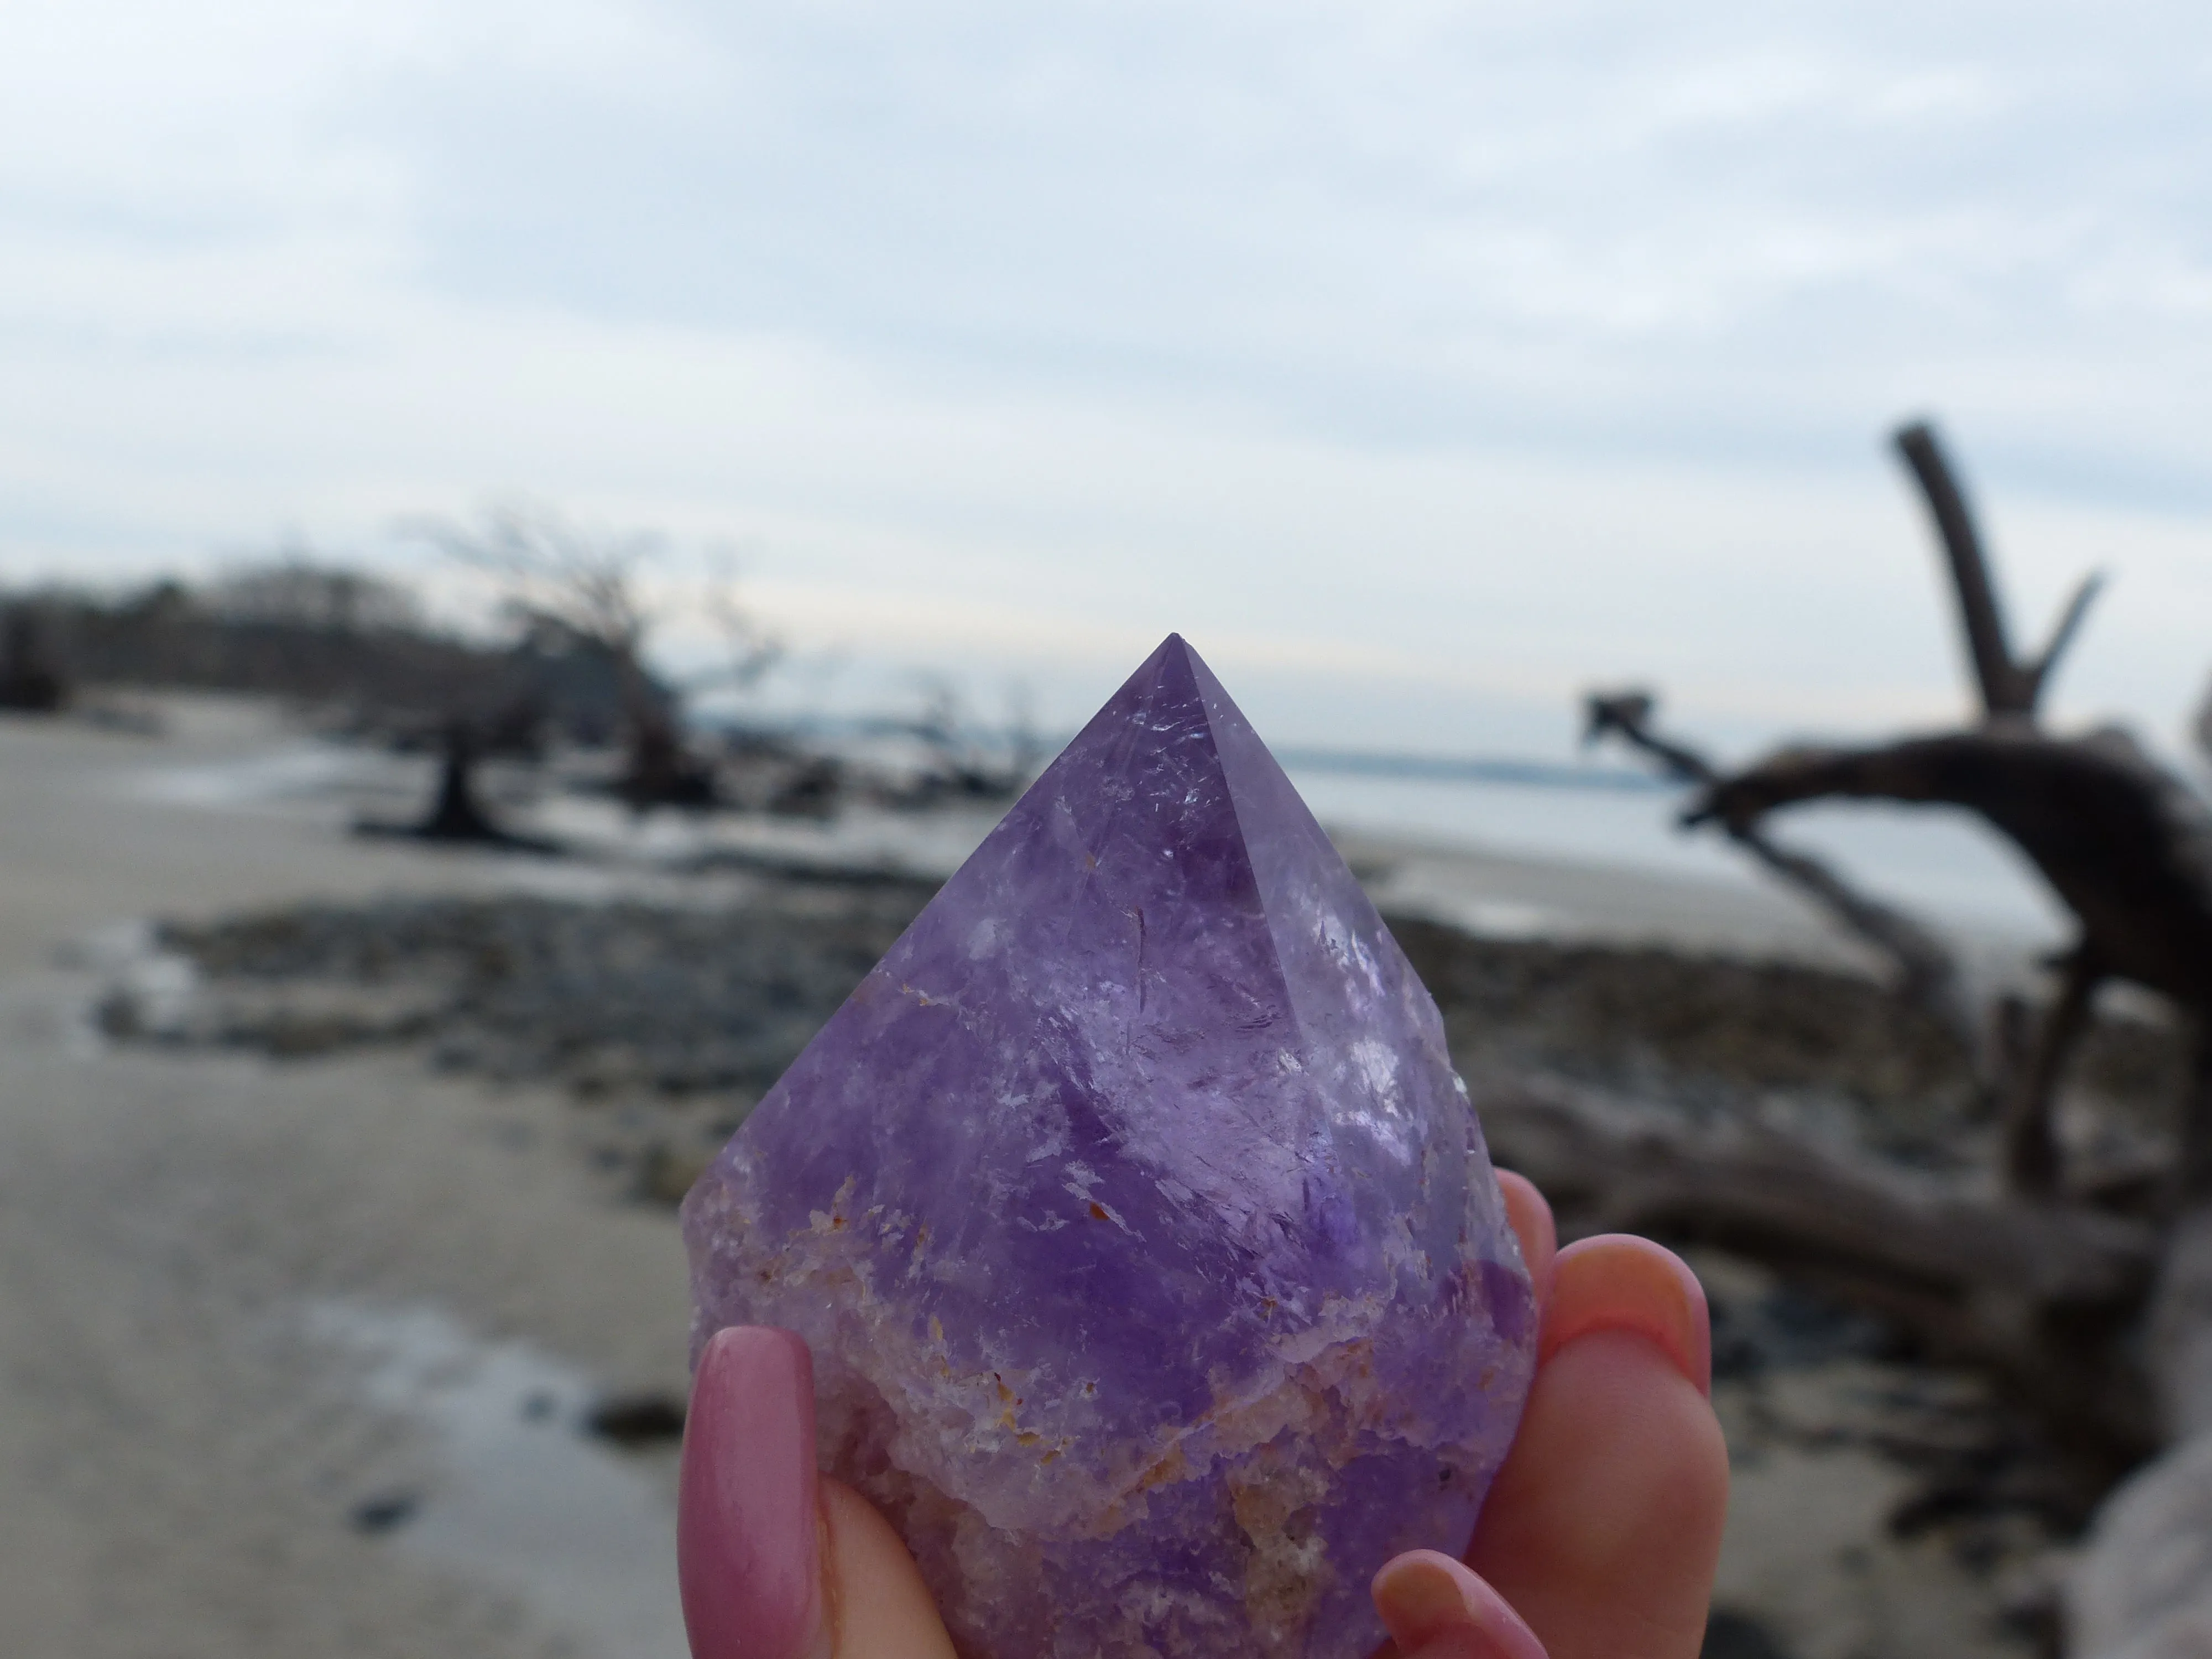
x,y
1159,1285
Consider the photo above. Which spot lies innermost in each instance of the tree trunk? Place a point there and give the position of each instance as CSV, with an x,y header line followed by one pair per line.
x,y
457,814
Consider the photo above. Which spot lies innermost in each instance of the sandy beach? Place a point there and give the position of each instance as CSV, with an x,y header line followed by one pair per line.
x,y
295,1355
183,1457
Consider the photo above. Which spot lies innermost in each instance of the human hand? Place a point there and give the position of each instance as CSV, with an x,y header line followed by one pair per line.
x,y
1597,1542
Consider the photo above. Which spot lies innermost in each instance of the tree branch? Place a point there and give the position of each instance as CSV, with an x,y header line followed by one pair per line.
x,y
2009,687
2005,689
1927,976
2127,847
2031,1163
1628,716
2062,636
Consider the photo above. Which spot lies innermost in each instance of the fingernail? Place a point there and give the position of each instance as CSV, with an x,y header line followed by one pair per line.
x,y
1435,1608
747,1549
1617,1282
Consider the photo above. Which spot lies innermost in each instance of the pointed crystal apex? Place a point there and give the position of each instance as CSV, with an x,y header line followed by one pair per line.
x,y
1143,1234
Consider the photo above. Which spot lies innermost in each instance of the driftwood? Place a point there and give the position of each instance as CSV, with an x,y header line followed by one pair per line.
x,y
2009,687
456,813
2034,1292
2125,845
2103,1322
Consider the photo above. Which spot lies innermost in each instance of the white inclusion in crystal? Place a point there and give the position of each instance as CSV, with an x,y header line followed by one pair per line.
x,y
1378,1069
523,1502
1055,1138
1370,969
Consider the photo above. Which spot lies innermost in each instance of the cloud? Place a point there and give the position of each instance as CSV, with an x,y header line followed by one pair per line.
x,y
1472,350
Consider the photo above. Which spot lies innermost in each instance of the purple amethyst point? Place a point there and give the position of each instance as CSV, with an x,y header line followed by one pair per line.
x,y
1159,1284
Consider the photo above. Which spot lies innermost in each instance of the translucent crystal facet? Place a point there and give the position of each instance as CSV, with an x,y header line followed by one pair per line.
x,y
1159,1284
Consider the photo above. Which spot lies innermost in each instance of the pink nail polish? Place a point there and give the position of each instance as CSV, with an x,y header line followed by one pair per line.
x,y
746,1546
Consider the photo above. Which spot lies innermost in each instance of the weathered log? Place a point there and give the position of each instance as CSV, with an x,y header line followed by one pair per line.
x,y
2031,1149
2038,1292
2126,846
457,812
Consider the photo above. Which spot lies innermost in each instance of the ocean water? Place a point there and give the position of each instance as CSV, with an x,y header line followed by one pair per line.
x,y
522,1498
1938,861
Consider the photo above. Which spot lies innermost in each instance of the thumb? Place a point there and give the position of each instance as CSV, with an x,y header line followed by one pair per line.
x,y
776,1561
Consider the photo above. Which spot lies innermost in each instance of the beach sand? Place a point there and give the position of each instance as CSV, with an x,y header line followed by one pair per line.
x,y
291,1354
181,1457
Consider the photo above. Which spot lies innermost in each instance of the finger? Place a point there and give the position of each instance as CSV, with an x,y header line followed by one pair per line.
x,y
1435,1609
1604,1525
1618,1282
1531,1217
773,1561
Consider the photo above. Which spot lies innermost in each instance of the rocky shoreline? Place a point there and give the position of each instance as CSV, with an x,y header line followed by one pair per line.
x,y
692,1011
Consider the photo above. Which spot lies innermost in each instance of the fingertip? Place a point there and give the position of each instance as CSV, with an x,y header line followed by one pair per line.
x,y
1435,1608
1530,1216
1617,1282
747,1542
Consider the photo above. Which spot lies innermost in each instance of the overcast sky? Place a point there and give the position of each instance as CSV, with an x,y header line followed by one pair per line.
x,y
1422,362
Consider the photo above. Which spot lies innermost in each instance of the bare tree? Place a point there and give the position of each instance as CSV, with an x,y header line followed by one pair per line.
x,y
31,682
301,591
576,592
